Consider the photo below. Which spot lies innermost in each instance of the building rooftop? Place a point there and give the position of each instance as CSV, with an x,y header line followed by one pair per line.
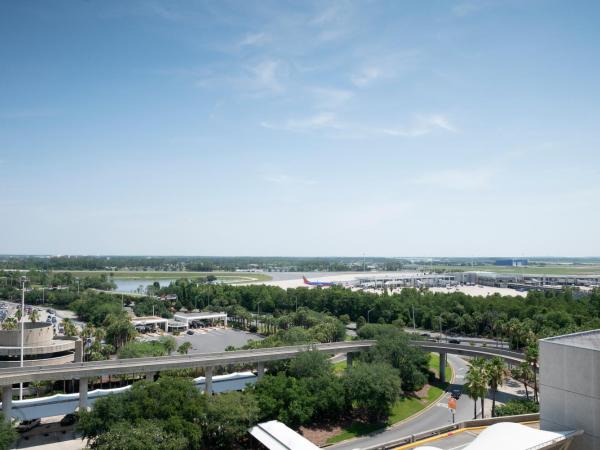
x,y
584,339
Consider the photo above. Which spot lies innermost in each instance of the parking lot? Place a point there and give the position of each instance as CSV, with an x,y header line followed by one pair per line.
x,y
215,339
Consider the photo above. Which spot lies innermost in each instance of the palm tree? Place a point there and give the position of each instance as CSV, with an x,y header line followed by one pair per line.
x,y
476,384
69,326
10,323
34,316
524,374
496,374
184,348
532,354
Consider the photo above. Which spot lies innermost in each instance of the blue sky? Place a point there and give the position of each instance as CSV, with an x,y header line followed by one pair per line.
x,y
300,128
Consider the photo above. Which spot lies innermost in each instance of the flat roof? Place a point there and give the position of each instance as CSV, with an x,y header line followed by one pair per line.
x,y
584,339
277,436
148,319
193,316
501,436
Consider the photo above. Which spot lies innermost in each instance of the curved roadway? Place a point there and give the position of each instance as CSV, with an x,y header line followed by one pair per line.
x,y
438,415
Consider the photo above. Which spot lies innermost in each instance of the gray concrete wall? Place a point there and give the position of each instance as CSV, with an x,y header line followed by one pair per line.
x,y
36,334
570,391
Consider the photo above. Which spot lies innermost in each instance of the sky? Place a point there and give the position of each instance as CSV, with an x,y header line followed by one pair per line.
x,y
306,128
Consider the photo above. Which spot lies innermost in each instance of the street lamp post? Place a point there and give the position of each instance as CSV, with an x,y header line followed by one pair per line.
x,y
23,280
368,315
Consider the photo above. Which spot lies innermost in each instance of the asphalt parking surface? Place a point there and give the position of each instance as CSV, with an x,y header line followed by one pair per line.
x,y
209,340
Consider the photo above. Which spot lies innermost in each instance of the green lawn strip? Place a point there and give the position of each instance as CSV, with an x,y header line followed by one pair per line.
x,y
402,409
434,365
339,367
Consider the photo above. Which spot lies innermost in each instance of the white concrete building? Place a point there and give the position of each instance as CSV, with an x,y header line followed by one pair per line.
x,y
570,386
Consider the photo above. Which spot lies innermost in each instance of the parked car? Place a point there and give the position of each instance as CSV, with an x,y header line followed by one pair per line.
x,y
453,341
190,332
69,419
425,334
456,393
27,425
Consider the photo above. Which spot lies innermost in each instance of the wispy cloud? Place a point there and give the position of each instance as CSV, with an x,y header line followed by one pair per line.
x,y
457,179
385,66
327,98
366,76
329,122
267,75
254,39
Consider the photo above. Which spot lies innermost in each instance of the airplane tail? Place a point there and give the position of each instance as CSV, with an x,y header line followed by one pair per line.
x,y
305,280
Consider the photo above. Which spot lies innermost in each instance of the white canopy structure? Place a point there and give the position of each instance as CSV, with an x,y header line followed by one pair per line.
x,y
514,436
187,318
277,436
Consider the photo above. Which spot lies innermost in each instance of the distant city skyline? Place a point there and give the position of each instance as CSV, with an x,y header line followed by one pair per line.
x,y
458,128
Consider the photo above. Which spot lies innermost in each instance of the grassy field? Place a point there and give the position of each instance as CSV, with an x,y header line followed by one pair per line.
x,y
136,275
591,269
402,409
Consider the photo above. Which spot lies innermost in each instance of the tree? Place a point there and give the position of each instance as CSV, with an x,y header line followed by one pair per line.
x,y
34,316
228,418
69,326
310,364
393,348
517,406
184,348
10,323
143,435
360,322
532,354
175,402
497,372
8,435
523,373
373,387
119,330
476,384
284,398
169,343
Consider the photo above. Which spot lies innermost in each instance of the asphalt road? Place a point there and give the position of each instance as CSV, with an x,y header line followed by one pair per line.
x,y
436,416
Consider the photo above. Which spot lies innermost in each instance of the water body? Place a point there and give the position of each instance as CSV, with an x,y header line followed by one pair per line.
x,y
139,284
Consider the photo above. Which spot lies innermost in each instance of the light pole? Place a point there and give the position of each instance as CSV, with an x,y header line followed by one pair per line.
x,y
368,315
23,280
257,313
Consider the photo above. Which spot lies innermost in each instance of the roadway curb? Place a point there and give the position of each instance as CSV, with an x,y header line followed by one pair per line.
x,y
397,424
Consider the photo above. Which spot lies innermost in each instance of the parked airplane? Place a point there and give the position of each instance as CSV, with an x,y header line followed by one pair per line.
x,y
318,283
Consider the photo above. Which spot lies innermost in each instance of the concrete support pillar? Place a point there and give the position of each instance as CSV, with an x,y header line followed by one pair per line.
x,y
83,394
442,367
150,376
7,402
349,359
78,351
260,371
208,374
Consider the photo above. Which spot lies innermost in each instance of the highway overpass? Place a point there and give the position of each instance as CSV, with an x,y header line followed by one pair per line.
x,y
208,361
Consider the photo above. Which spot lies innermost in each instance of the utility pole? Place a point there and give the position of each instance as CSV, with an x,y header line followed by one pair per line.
x,y
368,315
23,280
